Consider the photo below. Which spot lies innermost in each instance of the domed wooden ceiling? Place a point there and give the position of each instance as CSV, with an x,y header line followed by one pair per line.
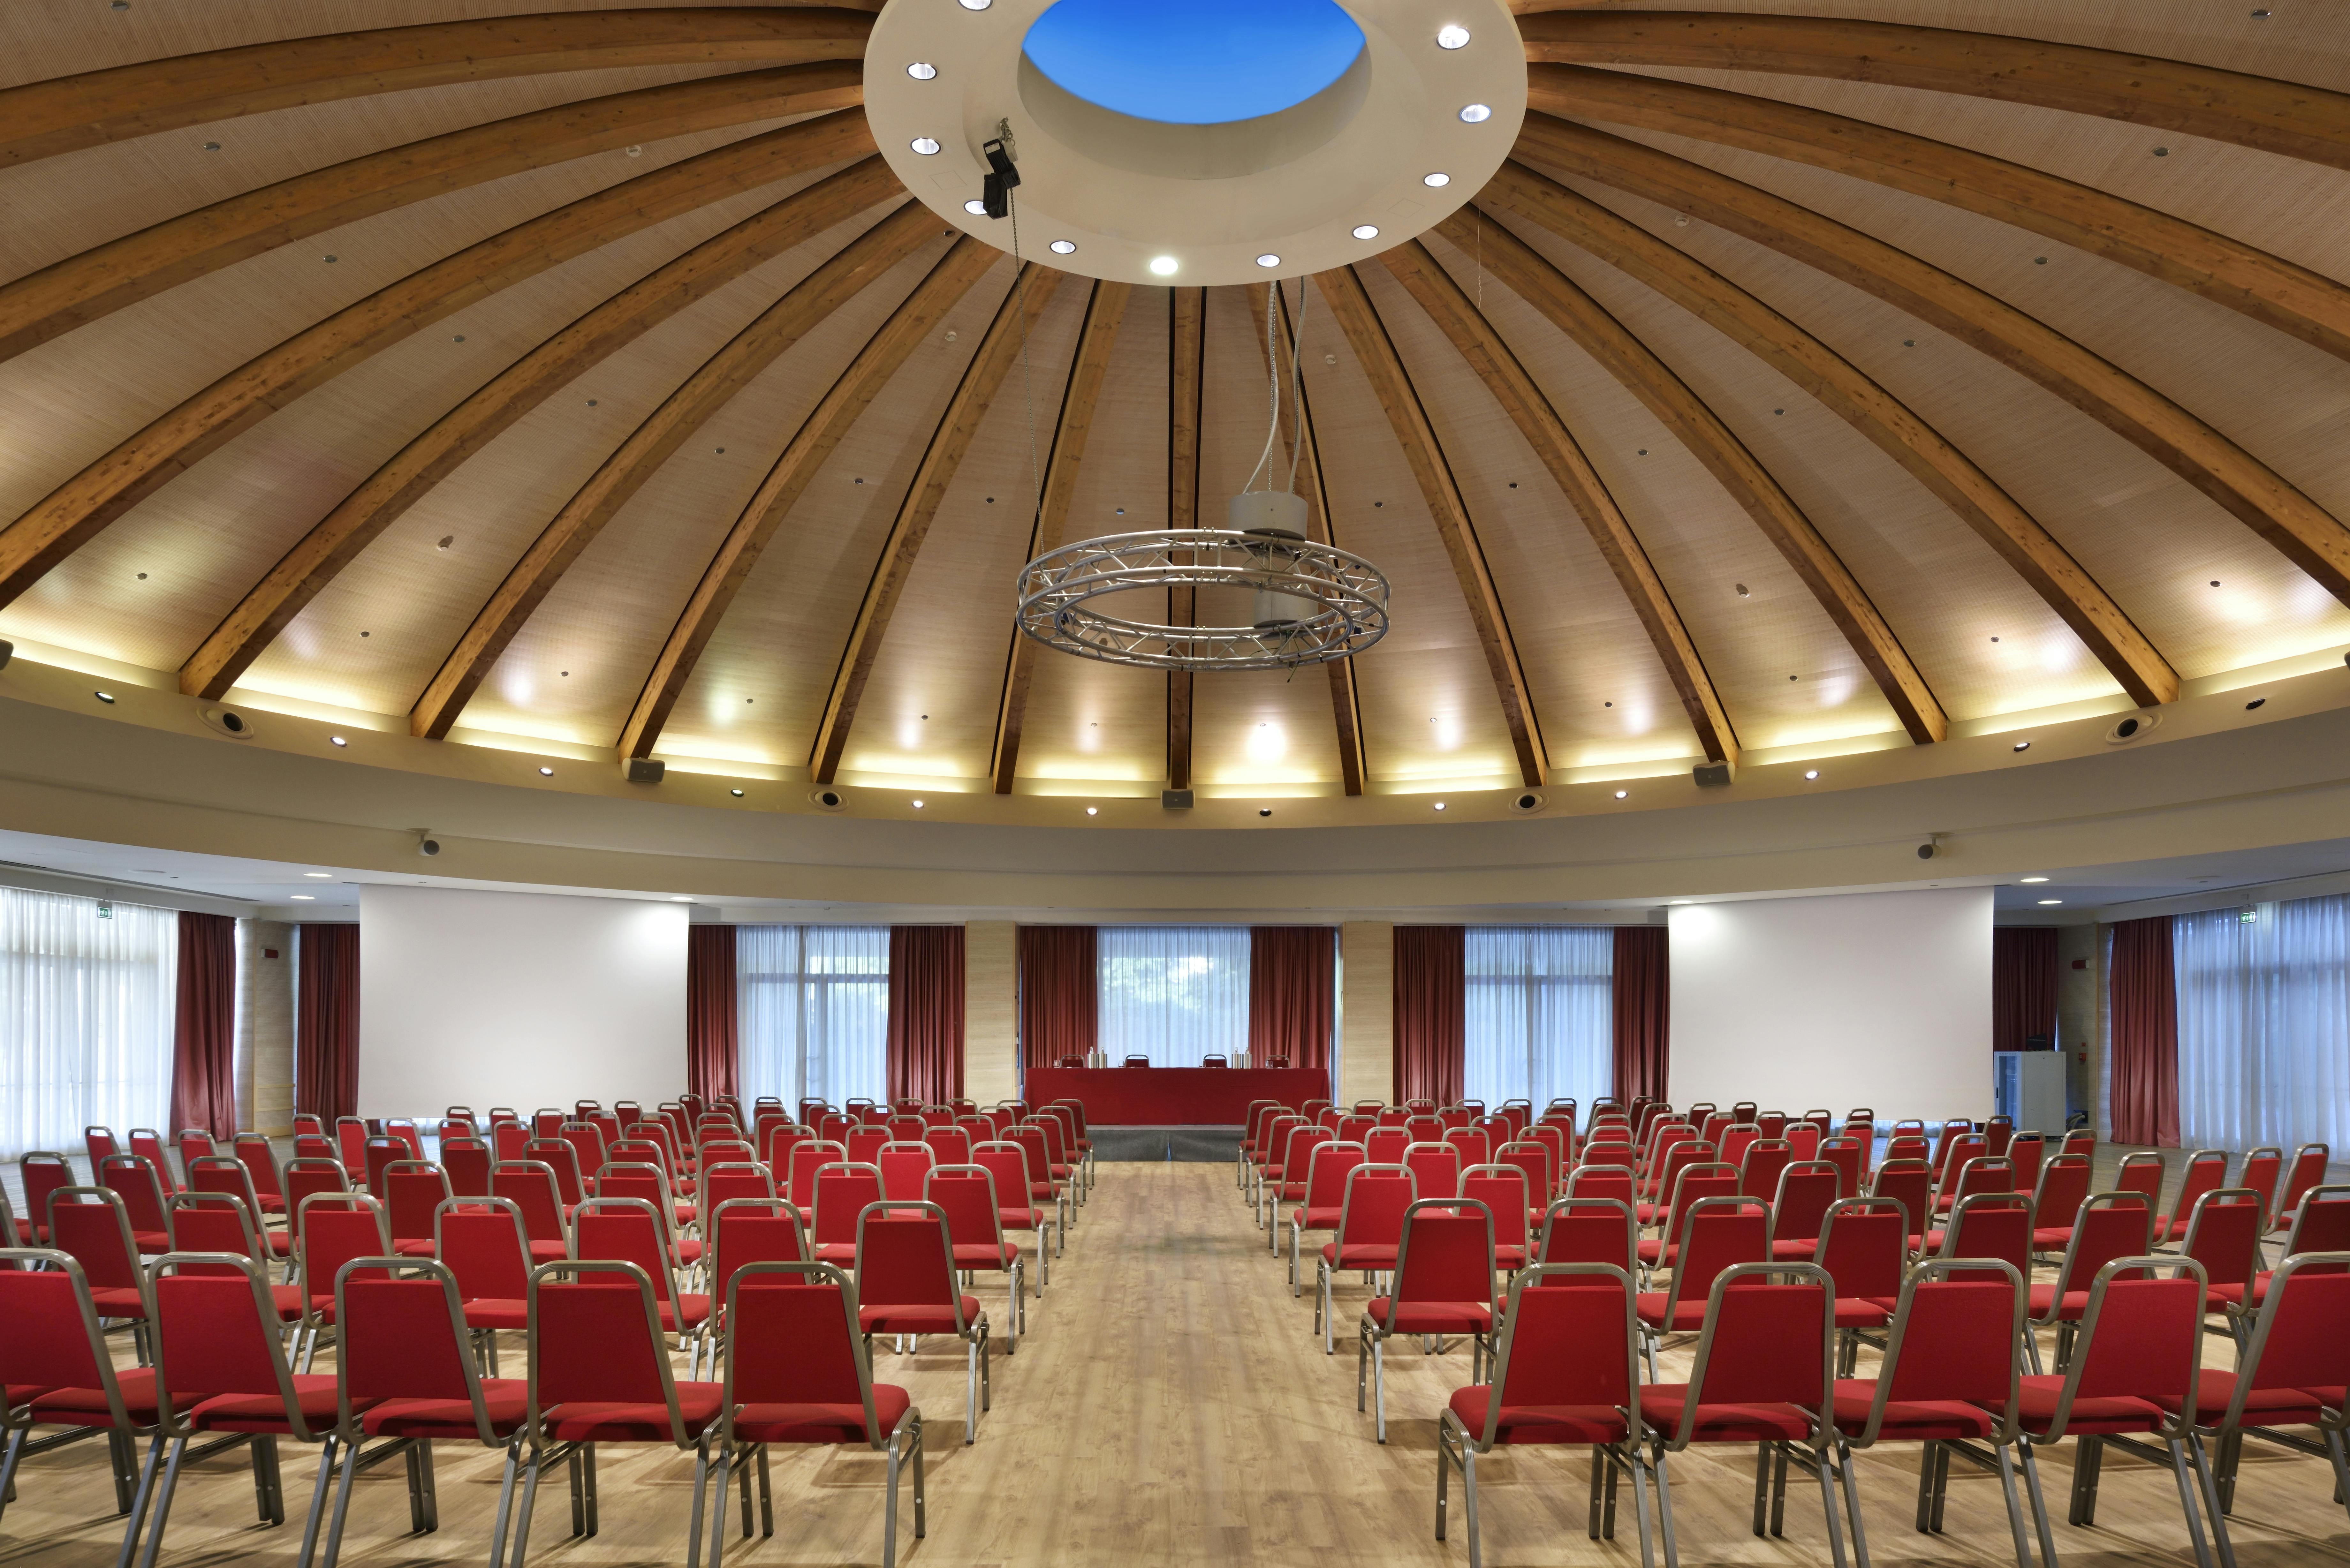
x,y
1807,383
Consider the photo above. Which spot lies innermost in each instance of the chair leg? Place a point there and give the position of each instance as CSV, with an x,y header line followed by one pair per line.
x,y
742,1479
2015,1508
1640,1505
529,1496
1379,1385
268,1495
1443,1472
1664,1508
1469,1500
506,1505
701,1498
970,1395
2339,1452
318,1490
122,1451
889,1508
2230,1455
17,1453
2188,1486
2088,1464
1824,1461
2226,1548
1851,1480
163,1504
1763,1455
766,1497
2039,1506
587,1472
344,1471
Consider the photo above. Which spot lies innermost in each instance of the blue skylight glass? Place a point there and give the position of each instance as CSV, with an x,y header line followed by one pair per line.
x,y
1194,62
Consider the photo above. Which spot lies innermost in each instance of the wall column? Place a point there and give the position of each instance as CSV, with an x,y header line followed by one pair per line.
x,y
991,1012
264,1027
1367,1009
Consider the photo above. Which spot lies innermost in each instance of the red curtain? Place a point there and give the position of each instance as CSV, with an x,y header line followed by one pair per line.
x,y
326,1021
1642,999
925,1053
203,1034
1059,995
2022,985
2142,1014
1431,1013
1292,983
712,1050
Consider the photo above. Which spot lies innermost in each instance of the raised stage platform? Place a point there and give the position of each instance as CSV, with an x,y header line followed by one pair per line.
x,y
1172,1097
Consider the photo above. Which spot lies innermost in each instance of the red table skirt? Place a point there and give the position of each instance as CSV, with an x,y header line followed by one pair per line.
x,y
1174,1096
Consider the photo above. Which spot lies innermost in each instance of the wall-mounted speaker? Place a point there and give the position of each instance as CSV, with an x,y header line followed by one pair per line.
x,y
1175,799
2130,726
1526,802
828,799
645,769
1713,775
229,722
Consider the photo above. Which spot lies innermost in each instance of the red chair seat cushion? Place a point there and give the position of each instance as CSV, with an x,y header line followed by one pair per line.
x,y
413,1246
1858,1312
842,1254
1661,1405
1910,1420
87,1407
1021,1218
985,1255
549,1251
313,1395
2233,1295
1432,1317
1315,1219
699,1403
2075,1304
696,1309
821,1423
915,1317
118,1301
493,1311
1361,1255
1689,1317
1509,1255
507,1399
1579,1424
2051,1239
2262,1406
2037,1403
1801,1249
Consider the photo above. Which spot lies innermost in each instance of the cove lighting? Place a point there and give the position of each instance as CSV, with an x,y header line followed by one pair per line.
x,y
1811,773
1436,181
2052,900
927,146
1440,806
921,70
1452,36
2035,878
1064,247
305,898
320,876
1476,113
1162,266
1366,230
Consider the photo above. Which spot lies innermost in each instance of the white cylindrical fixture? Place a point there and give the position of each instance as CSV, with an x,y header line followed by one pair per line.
x,y
1274,515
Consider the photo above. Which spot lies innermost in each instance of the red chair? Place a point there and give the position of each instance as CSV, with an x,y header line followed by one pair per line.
x,y
2135,1371
904,1167
42,1172
231,1177
1443,1285
1507,1196
1042,1172
147,1144
1006,1164
1758,1167
807,1159
193,1144
1715,1235
1323,1200
734,1179
336,1228
745,1231
308,1122
776,1141
1803,1140
1987,1225
403,1130
2111,1225
905,1285
413,1191
2322,1224
57,1372
599,1374
561,1160
530,1186
966,1195
1850,1157
1950,1364
1541,1172
1659,1181
1286,1181
2292,1373
950,1144
484,1245
1370,1232
1435,1168
1765,1374
379,1153
2025,1151
91,1226
508,1140
1590,1230
1864,1249
842,1191
2309,1162
132,1176
220,1222
800,1372
217,1339
467,1162
2142,1173
1059,1127
404,1381
1385,1145
1984,1173
2223,1234
631,1231
1695,1184
1800,1207
2207,1171
1556,1379
2056,1202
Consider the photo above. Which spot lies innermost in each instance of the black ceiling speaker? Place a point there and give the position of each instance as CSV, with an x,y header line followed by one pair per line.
x,y
1713,775
1002,174
646,770
1175,799
7,651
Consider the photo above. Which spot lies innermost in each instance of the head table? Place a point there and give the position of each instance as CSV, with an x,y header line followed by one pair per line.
x,y
1174,1096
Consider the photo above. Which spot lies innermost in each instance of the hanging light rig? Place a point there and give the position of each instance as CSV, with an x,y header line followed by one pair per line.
x,y
1310,603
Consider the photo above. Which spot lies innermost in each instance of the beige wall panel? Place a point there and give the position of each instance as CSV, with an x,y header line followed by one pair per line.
x,y
264,1028
991,1012
1367,1006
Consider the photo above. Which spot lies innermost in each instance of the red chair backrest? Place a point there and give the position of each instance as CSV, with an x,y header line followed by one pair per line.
x,y
1954,1340
1505,1193
1590,1230
1716,1235
42,1174
1736,1139
485,1246
950,1144
965,1194
508,1139
1807,1189
1435,1167
467,1162
1991,1225
531,1186
2223,1234
1957,1149
1541,1174
561,1158
904,1168
595,1344
1031,1139
1998,1133
1326,1171
2024,1151
2322,1223
807,1159
2308,1169
1447,1255
1985,1173
1608,1181
398,1339
2263,1167
379,1154
628,1230
1764,1344
2297,1342
1865,1247
734,1179
1385,1145
195,1143
1376,1197
1356,1128
413,1193
133,1176
1759,1168
798,1345
92,1227
352,1134
2141,1338
904,1258
865,1144
212,1223
1475,1148
2207,1171
336,1228
587,1141
403,1130
1427,1128
2064,1187
212,1336
2141,1173
1909,1183
53,1340
1694,1184
1007,1163
743,1231
2110,1225
307,1178
148,1145
842,1193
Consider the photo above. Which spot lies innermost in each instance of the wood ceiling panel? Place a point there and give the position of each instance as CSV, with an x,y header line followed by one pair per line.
x,y
945,654
214,531
605,620
1603,695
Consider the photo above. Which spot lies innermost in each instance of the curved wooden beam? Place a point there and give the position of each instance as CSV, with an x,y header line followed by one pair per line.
x,y
966,262
2062,583
2254,493
1633,363
65,114
2272,291
1346,699
1104,309
1187,357
77,511
82,288
1539,422
2287,118
410,474
862,262
1358,318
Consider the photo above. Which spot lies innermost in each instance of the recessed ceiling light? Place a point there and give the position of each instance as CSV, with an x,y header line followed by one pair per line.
x,y
1366,230
2031,878
1264,811
1451,36
1437,180
1064,247
1162,266
305,898
1093,811
546,773
1476,113
320,876
735,793
103,696
2052,900
1621,794
927,146
921,70
1268,259
918,805
2255,702
338,739
974,5
976,207
1811,773
1440,806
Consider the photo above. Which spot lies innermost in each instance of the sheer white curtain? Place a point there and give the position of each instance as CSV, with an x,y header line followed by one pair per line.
x,y
812,1012
1541,1021
87,1007
2264,1025
1173,993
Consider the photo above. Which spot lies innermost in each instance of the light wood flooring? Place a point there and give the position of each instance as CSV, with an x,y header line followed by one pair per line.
x,y
1169,1406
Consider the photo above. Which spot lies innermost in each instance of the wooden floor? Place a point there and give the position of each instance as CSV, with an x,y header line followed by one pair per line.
x,y
1169,1406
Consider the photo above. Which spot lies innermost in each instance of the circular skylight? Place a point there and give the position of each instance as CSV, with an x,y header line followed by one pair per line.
x,y
1205,62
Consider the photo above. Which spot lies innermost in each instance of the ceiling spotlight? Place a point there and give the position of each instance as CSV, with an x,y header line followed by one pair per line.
x,y
921,70
1093,811
1366,230
2052,901
1811,773
1451,36
1162,266
1268,259
974,5
1622,793
2022,745
1476,113
338,739
1437,180
320,876
918,805
1440,806
927,146
107,697
1064,247
304,897
1264,811
735,793
546,773
976,207
2034,879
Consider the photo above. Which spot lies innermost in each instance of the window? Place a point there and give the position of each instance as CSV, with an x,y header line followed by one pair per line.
x,y
1541,1022
2263,1024
87,1002
1173,993
812,1011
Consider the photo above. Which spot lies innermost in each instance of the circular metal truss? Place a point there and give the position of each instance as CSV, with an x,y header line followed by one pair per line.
x,y
1316,602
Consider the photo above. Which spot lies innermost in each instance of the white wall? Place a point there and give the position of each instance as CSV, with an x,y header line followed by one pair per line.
x,y
1872,999
517,999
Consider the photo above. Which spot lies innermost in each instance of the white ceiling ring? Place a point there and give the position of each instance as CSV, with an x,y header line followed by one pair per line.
x,y
1214,198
